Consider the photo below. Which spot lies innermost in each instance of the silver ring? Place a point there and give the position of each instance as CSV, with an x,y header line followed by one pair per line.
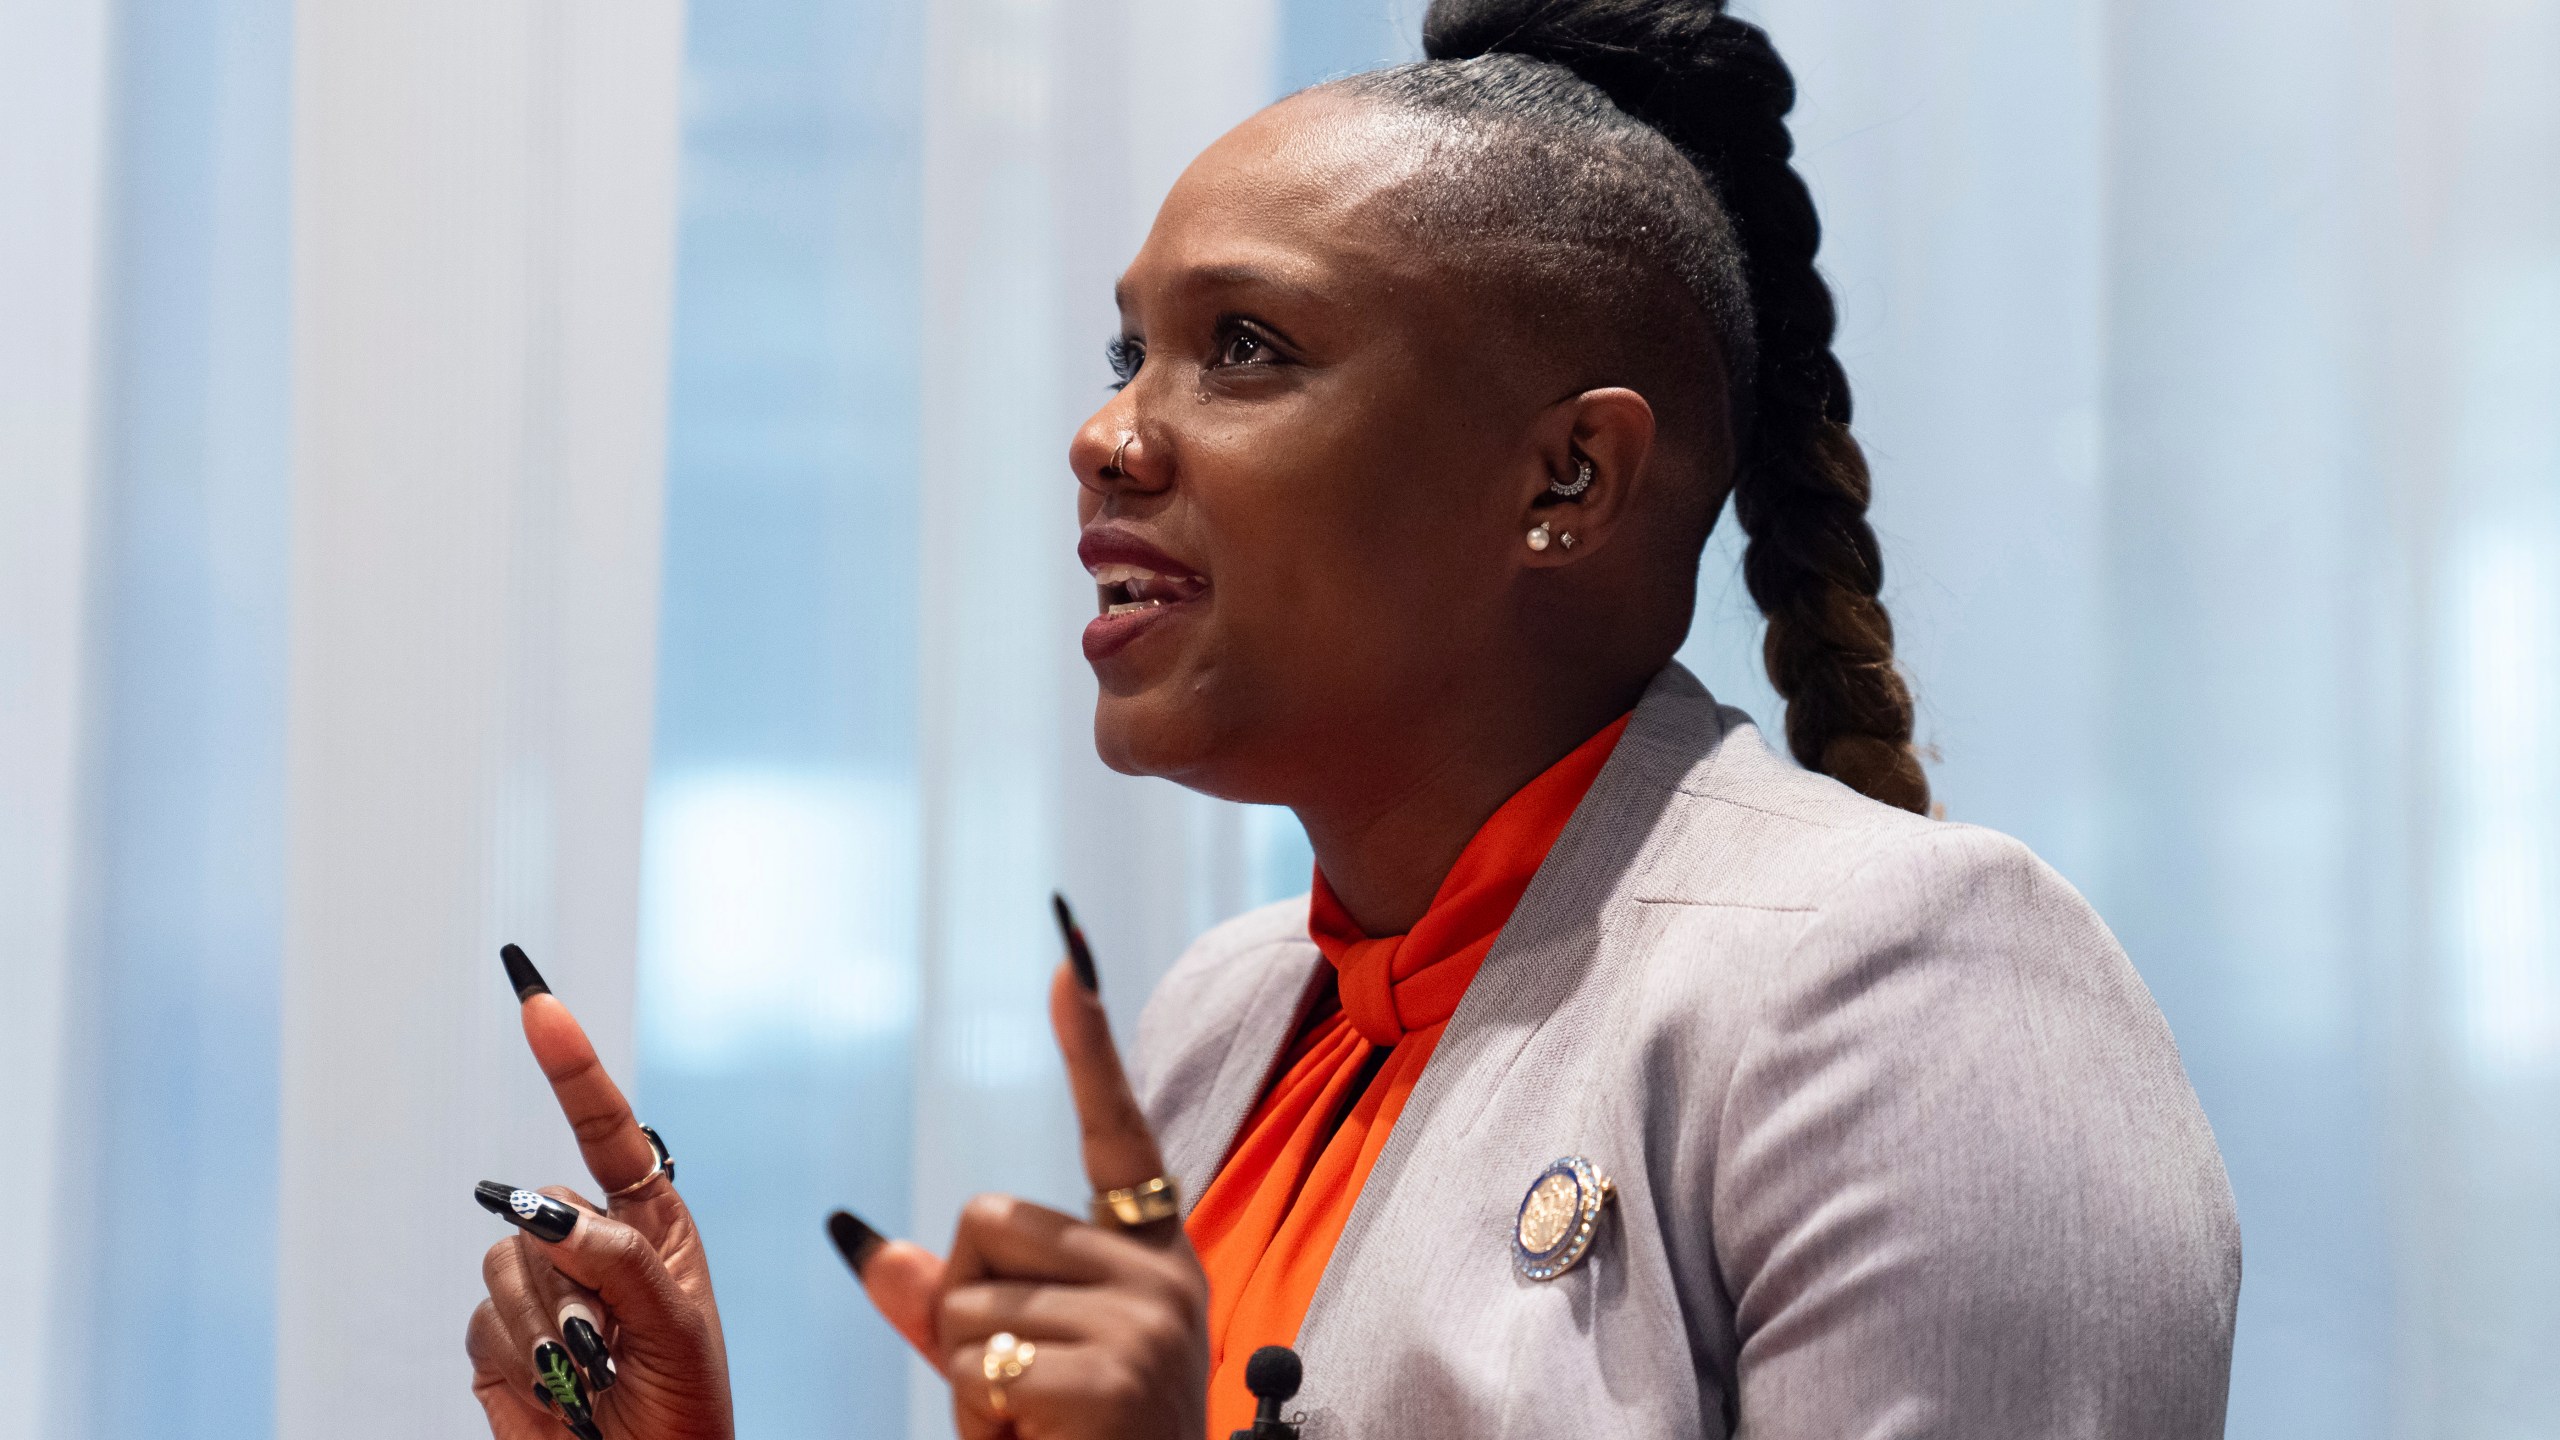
x,y
1126,441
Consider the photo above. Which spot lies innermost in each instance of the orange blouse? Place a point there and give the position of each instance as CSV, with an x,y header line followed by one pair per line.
x,y
1267,1225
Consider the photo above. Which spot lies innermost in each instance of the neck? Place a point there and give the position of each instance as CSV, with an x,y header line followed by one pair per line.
x,y
1386,844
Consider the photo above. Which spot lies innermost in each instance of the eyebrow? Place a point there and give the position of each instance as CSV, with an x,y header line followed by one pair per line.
x,y
1232,276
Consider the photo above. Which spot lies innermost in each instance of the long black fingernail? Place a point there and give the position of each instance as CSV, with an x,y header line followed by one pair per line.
x,y
855,1241
1079,954
587,1347
558,1382
536,1214
521,974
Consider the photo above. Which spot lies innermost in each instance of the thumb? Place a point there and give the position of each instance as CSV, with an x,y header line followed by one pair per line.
x,y
903,1279
1119,1146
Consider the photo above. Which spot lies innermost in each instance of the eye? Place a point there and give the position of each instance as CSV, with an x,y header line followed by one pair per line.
x,y
1243,347
1125,357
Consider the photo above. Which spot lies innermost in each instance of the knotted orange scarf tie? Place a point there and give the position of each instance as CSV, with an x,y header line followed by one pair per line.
x,y
1267,1225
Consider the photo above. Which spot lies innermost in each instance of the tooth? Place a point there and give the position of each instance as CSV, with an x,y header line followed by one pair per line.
x,y
1134,606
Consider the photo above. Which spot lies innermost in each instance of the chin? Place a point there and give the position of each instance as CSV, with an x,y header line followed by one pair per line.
x,y
1141,734
1165,732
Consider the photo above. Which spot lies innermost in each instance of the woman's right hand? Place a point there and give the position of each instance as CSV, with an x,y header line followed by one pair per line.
x,y
653,1366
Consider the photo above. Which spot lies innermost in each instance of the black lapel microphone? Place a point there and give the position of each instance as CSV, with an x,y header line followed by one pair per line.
x,y
1272,1375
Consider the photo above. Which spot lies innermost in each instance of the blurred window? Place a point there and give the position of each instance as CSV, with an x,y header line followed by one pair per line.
x,y
779,892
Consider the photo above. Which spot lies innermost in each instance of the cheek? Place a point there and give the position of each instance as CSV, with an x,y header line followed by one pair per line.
x,y
1354,556
1350,557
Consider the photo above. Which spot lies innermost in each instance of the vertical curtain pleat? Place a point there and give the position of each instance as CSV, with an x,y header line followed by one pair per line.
x,y
54,100
482,251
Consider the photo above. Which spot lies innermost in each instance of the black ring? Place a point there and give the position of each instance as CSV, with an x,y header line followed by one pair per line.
x,y
666,1161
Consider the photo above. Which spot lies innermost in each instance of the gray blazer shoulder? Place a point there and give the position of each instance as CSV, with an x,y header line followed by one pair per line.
x,y
1216,976
1902,1145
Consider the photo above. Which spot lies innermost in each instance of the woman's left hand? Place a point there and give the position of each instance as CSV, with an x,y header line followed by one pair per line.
x,y
1120,1318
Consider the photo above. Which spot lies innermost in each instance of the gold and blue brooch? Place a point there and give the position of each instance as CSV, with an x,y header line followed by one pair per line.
x,y
1558,1218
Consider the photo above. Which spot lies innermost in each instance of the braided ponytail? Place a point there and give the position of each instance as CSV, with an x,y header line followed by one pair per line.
x,y
1743,243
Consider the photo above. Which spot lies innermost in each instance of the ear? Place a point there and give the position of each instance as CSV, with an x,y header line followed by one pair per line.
x,y
1610,431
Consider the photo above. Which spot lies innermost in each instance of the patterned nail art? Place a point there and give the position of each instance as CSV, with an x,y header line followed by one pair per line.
x,y
563,1393
531,1211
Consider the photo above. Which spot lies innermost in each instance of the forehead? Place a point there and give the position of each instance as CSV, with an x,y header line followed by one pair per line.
x,y
1300,197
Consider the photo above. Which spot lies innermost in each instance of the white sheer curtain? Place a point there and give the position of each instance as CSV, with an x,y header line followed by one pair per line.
x,y
52,103
331,347
483,240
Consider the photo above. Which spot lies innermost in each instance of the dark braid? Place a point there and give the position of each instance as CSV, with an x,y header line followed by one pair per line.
x,y
1740,236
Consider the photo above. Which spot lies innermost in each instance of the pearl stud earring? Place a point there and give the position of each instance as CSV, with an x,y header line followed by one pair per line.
x,y
1539,538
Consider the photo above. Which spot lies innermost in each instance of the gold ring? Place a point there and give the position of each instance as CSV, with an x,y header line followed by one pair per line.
x,y
1006,1359
660,1163
1141,1204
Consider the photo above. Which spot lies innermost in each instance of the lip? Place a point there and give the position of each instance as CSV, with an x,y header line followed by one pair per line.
x,y
1114,545
1107,635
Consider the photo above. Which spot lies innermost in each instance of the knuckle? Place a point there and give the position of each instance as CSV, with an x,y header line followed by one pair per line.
x,y
1167,1274
597,1127
576,1070
615,1246
1120,1386
1160,1330
991,1212
480,1334
1114,1112
1191,1296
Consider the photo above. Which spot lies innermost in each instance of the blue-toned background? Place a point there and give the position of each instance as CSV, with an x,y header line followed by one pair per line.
x,y
2208,355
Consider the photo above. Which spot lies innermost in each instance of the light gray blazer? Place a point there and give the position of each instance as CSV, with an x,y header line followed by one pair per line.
x,y
1902,1145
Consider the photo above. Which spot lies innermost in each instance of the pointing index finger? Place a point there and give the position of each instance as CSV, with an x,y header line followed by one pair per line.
x,y
617,1152
1119,1146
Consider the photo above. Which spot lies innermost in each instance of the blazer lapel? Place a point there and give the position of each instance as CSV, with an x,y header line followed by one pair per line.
x,y
1550,943
1194,1152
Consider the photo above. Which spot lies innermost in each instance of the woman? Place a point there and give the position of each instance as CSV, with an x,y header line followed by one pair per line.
x,y
1617,1075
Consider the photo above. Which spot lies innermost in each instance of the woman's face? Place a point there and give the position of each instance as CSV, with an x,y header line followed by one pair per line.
x,y
1313,534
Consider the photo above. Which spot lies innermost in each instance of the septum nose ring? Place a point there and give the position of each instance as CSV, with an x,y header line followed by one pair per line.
x,y
1115,469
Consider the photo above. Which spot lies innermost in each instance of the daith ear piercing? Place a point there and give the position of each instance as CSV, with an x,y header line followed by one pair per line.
x,y
1581,481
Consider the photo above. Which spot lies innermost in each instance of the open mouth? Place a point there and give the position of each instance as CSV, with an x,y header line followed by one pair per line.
x,y
1133,589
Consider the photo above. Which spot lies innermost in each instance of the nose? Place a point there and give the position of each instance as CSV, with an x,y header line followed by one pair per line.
x,y
1111,453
